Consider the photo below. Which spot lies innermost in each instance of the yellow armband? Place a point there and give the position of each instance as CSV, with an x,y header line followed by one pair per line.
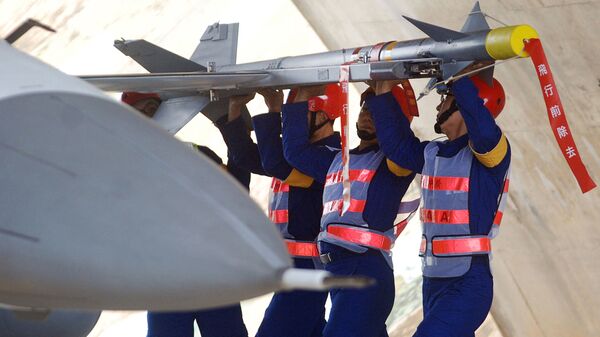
x,y
298,179
495,156
397,169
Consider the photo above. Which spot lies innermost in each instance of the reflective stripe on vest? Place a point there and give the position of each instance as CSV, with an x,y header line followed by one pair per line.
x,y
451,217
458,246
357,206
445,216
445,183
364,176
361,236
302,248
279,216
448,243
278,206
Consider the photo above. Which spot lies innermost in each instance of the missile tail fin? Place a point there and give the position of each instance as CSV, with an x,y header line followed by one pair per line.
x,y
475,20
218,44
437,33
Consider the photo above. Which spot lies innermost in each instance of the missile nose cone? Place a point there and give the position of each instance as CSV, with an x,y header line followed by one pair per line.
x,y
506,42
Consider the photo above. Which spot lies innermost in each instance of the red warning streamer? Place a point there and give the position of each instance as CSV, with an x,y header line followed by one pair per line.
x,y
344,79
556,115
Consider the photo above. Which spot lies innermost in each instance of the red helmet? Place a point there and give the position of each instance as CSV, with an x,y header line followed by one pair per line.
x,y
403,95
132,97
493,96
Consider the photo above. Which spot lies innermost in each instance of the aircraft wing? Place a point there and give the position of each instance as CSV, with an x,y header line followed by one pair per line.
x,y
188,81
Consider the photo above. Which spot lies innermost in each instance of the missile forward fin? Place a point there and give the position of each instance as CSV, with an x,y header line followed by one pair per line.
x,y
448,70
475,20
451,69
437,33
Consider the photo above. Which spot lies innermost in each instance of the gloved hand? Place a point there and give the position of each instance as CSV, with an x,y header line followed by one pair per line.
x,y
235,105
306,92
273,99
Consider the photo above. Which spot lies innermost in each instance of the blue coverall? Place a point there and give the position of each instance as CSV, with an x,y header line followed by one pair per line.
x,y
220,322
360,313
294,313
453,306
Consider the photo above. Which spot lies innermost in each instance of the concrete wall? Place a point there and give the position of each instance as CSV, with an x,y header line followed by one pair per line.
x,y
547,257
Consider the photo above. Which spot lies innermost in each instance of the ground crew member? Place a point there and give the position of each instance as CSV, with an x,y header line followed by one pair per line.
x,y
221,322
464,185
359,241
295,207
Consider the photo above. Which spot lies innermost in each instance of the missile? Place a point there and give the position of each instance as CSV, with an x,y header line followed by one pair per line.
x,y
442,54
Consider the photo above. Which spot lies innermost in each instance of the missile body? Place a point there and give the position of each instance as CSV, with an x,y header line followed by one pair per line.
x,y
442,54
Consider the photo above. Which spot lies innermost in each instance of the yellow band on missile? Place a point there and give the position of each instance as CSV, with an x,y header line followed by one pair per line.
x,y
506,42
387,51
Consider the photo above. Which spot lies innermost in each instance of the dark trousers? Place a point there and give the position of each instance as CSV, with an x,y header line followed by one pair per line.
x,y
295,313
456,307
221,322
360,312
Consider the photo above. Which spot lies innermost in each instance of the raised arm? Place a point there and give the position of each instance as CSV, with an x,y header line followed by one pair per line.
x,y
311,160
267,128
487,141
241,150
396,139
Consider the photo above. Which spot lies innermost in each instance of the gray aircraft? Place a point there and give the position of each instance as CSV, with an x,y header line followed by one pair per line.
x,y
101,208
